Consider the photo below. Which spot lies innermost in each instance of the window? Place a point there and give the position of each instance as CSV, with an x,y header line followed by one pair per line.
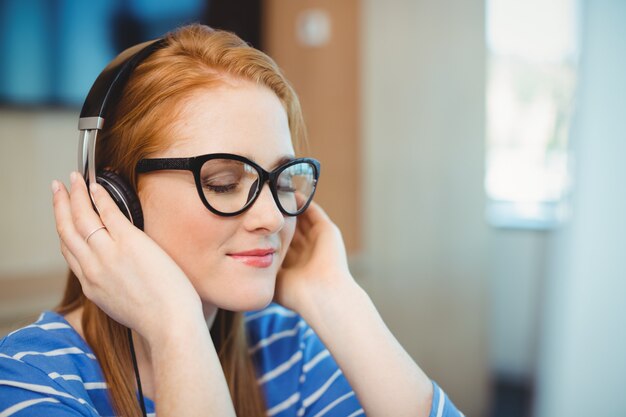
x,y
531,80
52,51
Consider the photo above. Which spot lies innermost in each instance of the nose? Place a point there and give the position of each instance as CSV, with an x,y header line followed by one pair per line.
x,y
264,215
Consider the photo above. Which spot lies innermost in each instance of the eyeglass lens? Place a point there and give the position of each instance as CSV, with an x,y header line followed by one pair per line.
x,y
229,185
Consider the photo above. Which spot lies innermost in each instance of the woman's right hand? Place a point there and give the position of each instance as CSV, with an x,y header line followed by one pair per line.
x,y
119,267
137,284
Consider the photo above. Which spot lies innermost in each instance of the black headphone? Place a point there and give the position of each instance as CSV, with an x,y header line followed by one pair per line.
x,y
105,91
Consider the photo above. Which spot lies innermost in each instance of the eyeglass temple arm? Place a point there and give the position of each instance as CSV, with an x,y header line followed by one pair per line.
x,y
156,164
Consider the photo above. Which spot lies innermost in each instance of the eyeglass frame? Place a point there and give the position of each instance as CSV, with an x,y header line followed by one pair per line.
x,y
195,163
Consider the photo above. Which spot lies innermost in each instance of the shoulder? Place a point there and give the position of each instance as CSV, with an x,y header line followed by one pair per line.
x,y
50,345
275,333
282,333
274,320
296,371
48,364
278,336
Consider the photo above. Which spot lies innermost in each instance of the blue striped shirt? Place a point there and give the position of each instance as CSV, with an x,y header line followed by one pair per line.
x,y
46,368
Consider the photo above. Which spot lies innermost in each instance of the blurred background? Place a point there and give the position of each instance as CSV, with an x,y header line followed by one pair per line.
x,y
472,156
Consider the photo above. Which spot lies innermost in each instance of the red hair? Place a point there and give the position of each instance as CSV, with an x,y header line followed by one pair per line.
x,y
194,57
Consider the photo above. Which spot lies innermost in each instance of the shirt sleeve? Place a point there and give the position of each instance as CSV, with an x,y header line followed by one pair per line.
x,y
442,406
28,391
324,389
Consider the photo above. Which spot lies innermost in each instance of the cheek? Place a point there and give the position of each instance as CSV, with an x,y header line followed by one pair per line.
x,y
181,225
286,235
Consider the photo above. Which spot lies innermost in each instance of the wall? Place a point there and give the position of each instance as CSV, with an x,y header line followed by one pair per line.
x,y
326,77
425,234
517,271
35,147
424,257
582,358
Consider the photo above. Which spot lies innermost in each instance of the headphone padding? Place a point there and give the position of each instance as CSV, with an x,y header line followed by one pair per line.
x,y
123,194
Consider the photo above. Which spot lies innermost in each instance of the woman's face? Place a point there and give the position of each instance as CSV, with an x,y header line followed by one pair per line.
x,y
244,119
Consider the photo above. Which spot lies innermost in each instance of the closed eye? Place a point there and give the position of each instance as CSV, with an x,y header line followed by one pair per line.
x,y
221,188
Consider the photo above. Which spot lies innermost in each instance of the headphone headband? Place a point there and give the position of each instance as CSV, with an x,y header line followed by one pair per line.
x,y
111,81
107,89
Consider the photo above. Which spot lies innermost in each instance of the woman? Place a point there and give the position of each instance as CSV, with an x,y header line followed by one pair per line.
x,y
208,103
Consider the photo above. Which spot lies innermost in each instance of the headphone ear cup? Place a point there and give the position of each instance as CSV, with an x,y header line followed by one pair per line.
x,y
123,195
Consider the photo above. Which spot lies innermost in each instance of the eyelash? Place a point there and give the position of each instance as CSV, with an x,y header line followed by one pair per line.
x,y
221,188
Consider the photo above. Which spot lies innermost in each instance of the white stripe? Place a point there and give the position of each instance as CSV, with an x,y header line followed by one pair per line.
x,y
317,394
53,326
43,389
284,405
357,413
87,385
47,326
334,403
25,404
280,369
57,352
276,336
440,405
311,364
308,333
67,377
281,311
95,385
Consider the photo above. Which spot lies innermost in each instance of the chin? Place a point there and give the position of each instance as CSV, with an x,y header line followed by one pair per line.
x,y
257,303
246,304
242,298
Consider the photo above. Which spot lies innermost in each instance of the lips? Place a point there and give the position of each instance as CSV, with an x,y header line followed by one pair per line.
x,y
259,258
254,252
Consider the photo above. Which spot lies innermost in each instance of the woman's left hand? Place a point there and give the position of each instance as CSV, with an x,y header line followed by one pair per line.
x,y
316,262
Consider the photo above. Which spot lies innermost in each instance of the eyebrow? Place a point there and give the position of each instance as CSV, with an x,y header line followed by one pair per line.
x,y
283,160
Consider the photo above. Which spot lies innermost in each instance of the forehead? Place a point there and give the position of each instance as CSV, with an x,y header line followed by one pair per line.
x,y
237,117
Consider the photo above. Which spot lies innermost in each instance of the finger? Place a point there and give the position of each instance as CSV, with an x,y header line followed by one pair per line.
x,y
304,220
315,213
299,235
85,218
111,216
72,262
300,198
295,245
69,236
298,241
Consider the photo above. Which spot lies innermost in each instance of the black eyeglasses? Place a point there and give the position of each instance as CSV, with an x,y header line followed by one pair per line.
x,y
229,184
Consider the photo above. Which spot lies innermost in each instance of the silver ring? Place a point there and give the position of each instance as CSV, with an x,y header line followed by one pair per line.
x,y
91,234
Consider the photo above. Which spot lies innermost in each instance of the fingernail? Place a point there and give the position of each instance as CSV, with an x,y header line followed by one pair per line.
x,y
73,176
55,186
93,188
